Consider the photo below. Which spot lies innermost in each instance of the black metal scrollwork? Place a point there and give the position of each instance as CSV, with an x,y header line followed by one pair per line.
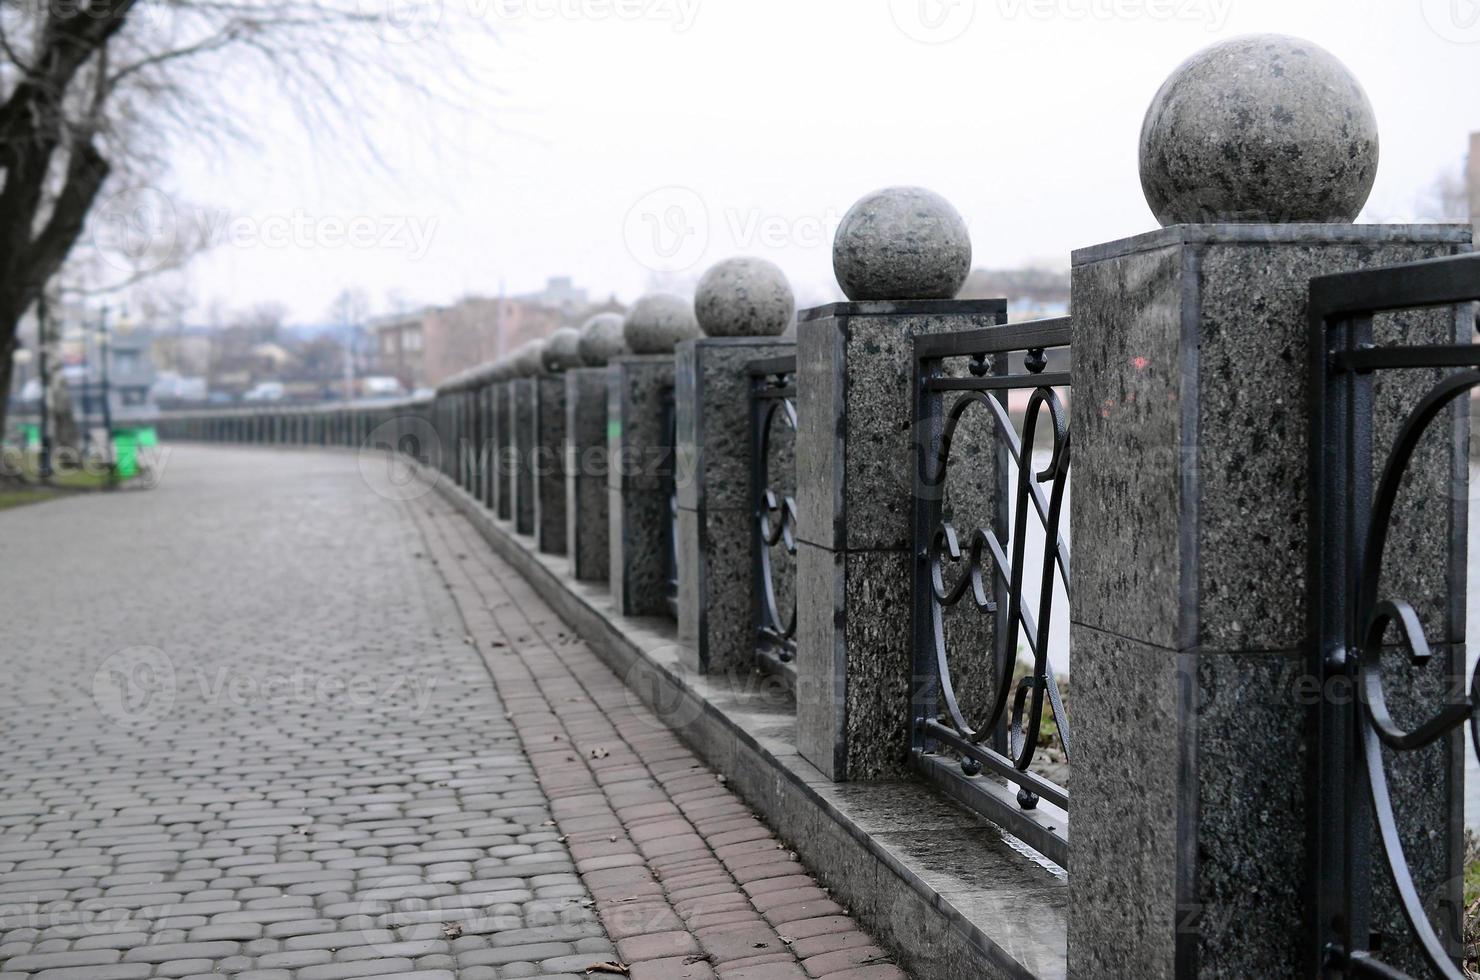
x,y
773,411
991,564
1352,621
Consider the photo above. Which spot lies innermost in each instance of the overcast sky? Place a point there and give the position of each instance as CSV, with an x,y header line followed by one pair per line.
x,y
625,140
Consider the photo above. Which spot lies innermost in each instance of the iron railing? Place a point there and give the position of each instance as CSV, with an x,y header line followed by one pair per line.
x,y
977,702
1350,617
773,424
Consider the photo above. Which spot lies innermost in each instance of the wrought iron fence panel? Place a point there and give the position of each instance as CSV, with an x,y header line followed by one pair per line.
x,y
1356,626
984,571
773,424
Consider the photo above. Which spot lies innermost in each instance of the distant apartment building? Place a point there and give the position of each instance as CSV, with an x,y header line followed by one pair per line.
x,y
425,348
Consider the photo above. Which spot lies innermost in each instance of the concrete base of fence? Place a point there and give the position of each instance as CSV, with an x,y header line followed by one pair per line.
x,y
855,478
549,464
641,458
587,521
938,885
521,457
1190,779
716,521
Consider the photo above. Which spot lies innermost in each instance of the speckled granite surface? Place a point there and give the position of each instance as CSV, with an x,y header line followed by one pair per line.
x,y
1188,517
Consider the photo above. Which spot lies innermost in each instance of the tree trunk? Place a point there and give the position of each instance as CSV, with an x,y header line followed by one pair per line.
x,y
7,365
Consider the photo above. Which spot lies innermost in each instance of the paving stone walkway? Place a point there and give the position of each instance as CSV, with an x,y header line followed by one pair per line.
x,y
262,722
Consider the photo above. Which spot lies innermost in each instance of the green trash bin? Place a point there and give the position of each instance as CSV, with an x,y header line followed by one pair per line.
x,y
126,445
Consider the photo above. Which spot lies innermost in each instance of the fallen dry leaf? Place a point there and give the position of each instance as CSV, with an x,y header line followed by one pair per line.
x,y
618,968
452,930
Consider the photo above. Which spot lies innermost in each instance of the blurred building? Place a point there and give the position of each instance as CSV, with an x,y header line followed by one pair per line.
x,y
424,348
1031,293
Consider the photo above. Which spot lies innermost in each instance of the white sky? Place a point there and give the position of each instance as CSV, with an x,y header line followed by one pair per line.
x,y
766,119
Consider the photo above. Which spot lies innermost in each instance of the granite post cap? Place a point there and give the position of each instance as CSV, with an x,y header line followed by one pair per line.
x,y
901,243
602,339
657,322
744,297
1263,128
562,350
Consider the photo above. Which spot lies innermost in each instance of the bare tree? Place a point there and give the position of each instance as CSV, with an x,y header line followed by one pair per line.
x,y
97,95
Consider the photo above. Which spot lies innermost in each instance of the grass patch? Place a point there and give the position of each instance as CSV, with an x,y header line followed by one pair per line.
x,y
27,495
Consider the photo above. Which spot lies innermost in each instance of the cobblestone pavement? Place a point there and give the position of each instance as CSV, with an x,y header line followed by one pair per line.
x,y
262,722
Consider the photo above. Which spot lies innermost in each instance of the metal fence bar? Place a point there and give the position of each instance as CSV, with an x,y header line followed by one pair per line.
x,y
773,395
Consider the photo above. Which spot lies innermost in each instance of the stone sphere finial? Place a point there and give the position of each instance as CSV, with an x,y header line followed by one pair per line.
x,y
602,339
1262,128
529,359
562,350
902,243
744,297
657,322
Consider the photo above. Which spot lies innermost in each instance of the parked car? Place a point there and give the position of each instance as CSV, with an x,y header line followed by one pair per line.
x,y
265,391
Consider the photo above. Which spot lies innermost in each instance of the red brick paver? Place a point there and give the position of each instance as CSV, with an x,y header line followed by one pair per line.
x,y
686,880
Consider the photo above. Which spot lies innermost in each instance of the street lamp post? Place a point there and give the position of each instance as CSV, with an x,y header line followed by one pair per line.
x,y
103,384
43,320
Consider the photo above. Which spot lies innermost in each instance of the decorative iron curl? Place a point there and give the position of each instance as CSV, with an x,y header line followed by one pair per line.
x,y
1376,726
984,549
776,518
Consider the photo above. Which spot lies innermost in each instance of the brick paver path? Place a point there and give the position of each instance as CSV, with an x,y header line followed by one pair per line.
x,y
262,722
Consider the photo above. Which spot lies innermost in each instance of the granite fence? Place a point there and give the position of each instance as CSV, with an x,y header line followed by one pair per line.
x,y
868,504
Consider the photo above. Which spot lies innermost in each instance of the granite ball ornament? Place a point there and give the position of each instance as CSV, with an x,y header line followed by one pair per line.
x,y
602,339
901,243
562,350
744,297
529,359
1262,128
657,322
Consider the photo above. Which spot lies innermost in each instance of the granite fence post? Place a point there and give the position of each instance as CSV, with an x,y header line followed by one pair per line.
x,y
1192,786
638,480
521,472
640,448
528,361
560,354
500,399
744,304
587,456
587,525
856,458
